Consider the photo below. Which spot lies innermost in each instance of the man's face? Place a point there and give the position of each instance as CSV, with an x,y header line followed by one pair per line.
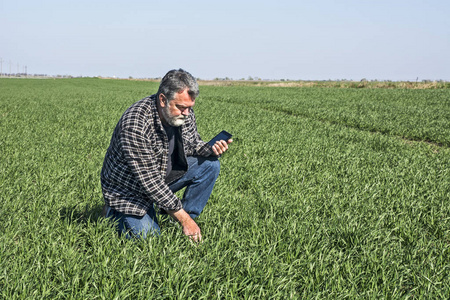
x,y
175,112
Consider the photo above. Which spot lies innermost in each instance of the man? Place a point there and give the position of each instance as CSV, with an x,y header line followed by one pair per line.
x,y
155,150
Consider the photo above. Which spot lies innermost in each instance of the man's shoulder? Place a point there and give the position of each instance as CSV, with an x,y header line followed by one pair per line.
x,y
144,108
147,103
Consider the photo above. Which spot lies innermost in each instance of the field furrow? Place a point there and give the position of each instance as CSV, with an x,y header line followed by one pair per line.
x,y
419,115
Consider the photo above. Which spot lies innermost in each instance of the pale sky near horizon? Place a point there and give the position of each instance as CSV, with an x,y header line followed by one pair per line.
x,y
298,40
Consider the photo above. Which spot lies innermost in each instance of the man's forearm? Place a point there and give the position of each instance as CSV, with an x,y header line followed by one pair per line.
x,y
179,215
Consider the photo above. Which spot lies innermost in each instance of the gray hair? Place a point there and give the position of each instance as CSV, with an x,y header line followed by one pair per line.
x,y
176,81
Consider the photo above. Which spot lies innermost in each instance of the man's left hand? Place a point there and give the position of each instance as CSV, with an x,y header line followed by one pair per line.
x,y
221,146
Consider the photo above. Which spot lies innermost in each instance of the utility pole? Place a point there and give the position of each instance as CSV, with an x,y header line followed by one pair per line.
x,y
9,75
1,67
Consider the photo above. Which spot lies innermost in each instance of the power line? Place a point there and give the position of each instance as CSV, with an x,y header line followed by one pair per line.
x,y
21,69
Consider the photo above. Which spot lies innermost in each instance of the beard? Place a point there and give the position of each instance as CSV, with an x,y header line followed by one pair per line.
x,y
175,121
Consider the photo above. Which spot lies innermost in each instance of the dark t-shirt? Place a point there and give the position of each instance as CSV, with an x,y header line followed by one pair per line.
x,y
171,133
176,161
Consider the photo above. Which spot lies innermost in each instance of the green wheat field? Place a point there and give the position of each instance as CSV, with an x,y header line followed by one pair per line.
x,y
325,193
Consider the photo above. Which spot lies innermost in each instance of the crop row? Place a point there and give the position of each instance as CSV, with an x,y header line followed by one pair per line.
x,y
421,115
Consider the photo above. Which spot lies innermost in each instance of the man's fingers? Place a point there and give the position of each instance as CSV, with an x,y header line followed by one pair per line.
x,y
196,237
215,151
220,147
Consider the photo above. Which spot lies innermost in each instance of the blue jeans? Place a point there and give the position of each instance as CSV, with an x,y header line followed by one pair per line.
x,y
199,181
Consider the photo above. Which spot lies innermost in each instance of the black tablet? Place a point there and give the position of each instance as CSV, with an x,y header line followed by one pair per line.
x,y
223,135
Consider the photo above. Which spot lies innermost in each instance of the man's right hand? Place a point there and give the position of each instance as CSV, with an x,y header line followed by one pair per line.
x,y
190,228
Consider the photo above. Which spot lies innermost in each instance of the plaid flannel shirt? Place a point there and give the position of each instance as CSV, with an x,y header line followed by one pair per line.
x,y
133,173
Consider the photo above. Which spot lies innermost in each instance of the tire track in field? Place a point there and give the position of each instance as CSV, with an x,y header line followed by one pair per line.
x,y
370,130
334,122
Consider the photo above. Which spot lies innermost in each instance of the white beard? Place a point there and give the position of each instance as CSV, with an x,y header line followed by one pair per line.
x,y
171,120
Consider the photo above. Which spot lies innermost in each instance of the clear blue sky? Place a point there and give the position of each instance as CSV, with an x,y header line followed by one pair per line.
x,y
321,40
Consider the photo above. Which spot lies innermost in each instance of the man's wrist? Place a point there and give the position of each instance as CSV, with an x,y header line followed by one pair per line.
x,y
180,215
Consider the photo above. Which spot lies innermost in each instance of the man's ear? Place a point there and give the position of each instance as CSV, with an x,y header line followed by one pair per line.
x,y
162,100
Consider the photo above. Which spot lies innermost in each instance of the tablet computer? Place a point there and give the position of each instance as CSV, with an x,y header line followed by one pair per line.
x,y
223,135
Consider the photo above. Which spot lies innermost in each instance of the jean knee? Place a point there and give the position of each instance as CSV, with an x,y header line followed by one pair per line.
x,y
214,165
138,227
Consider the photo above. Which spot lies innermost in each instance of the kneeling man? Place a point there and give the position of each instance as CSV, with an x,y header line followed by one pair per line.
x,y
155,150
